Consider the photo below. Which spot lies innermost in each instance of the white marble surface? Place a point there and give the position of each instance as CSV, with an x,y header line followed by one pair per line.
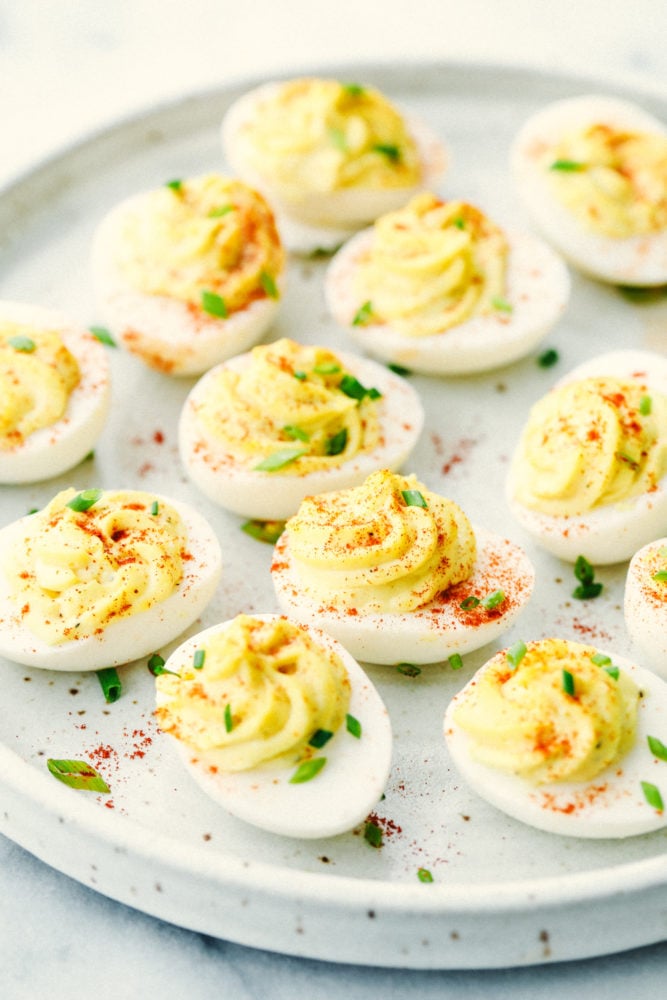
x,y
67,67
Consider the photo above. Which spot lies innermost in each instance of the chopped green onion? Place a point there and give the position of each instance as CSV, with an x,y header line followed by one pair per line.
x,y
568,166
279,459
269,285
198,659
229,722
307,770
155,508
24,344
456,661
214,304
459,223
295,433
585,573
657,747
501,304
327,368
568,683
600,659
613,672
548,358
353,726
264,531
645,405
399,369
653,796
103,335
641,295
413,498
78,774
353,388
156,666
33,510
337,443
363,315
319,738
408,669
493,600
84,500
353,89
660,576
215,213
110,684
338,139
302,376
91,454
373,834
175,185
390,150
470,602
516,653
424,875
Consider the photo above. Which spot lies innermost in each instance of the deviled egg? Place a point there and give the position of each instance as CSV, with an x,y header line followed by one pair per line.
x,y
190,273
278,723
592,173
589,475
99,578
398,573
440,288
645,603
565,737
329,156
260,432
54,393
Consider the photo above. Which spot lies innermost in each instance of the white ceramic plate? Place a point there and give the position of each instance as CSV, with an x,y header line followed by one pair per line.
x,y
503,894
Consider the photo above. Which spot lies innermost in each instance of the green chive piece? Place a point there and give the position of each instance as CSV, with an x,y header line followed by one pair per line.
x,y
613,672
641,295
568,166
660,576
657,747
548,358
295,433
279,459
327,368
337,443
413,498
501,304
24,344
33,510
175,185
600,659
155,508
338,139
269,285
229,722
645,405
352,387
156,666
84,500
363,315
374,393
103,335
264,531
110,684
353,726
399,370
459,223
653,796
353,89
456,661
585,573
221,210
320,738
198,659
390,150
408,669
373,834
424,875
516,653
470,602
214,304
78,774
568,683
302,376
493,600
307,770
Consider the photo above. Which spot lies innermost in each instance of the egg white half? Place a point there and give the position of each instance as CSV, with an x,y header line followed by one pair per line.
x,y
646,614
165,333
124,639
338,798
610,805
538,290
609,533
433,632
50,451
276,496
637,260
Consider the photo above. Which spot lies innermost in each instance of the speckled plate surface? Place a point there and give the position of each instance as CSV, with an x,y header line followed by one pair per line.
x,y
503,894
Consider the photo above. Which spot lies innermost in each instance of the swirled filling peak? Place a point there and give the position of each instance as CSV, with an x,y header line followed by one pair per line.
x,y
387,545
264,688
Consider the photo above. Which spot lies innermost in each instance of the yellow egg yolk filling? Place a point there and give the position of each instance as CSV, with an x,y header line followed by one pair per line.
x,y
321,135
614,182
389,545
591,442
431,266
263,690
557,716
207,236
290,410
37,376
74,572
